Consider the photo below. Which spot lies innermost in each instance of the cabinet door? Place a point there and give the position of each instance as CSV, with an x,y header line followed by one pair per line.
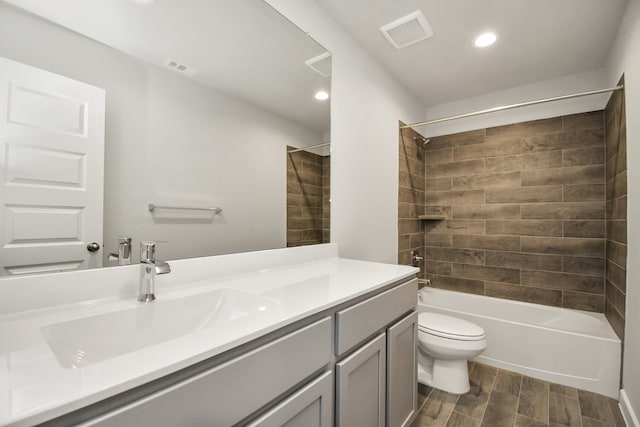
x,y
361,385
311,406
402,382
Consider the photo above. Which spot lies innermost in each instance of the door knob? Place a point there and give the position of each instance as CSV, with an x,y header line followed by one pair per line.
x,y
93,246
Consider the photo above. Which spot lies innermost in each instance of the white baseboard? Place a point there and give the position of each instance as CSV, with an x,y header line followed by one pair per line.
x,y
630,417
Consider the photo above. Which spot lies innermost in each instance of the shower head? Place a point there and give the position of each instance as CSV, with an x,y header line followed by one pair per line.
x,y
421,140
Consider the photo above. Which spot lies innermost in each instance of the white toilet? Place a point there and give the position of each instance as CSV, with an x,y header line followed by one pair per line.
x,y
445,344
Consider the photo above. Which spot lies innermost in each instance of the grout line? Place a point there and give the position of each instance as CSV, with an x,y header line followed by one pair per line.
x,y
519,393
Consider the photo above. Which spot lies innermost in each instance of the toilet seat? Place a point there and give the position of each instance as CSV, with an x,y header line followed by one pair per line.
x,y
449,327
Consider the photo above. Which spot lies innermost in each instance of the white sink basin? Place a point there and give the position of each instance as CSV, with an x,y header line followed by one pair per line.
x,y
88,340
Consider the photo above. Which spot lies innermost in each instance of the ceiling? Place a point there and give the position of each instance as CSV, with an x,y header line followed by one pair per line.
x,y
538,40
242,48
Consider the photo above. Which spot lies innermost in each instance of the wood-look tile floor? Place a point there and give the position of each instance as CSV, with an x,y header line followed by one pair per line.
x,y
501,398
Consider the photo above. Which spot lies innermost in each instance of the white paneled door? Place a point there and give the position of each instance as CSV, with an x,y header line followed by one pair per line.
x,y
51,171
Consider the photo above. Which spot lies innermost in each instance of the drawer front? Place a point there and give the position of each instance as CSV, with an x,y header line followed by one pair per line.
x,y
355,324
311,406
234,390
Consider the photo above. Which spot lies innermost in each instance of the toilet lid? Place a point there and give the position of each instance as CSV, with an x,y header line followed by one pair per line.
x,y
449,327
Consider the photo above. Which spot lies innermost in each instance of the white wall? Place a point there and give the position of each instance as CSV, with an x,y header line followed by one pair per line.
x,y
366,104
625,58
581,82
171,141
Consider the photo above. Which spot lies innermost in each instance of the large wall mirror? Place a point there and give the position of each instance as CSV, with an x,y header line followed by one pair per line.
x,y
110,106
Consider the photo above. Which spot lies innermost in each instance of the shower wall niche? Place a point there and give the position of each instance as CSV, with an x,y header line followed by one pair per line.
x,y
524,210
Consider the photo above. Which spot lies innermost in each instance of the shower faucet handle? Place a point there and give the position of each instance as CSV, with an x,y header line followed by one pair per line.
x,y
416,258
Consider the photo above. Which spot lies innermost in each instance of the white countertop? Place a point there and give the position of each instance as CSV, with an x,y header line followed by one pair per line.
x,y
34,387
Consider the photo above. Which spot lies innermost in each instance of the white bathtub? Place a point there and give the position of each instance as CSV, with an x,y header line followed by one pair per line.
x,y
569,347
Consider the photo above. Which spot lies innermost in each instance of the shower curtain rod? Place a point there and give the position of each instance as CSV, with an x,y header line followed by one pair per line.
x,y
508,107
309,147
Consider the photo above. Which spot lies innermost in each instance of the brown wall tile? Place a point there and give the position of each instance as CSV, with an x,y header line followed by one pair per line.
x,y
581,265
525,227
593,229
570,175
524,293
486,211
523,261
583,301
456,140
505,243
548,193
493,274
583,156
563,281
441,240
455,168
583,121
617,253
445,184
457,284
493,148
563,246
573,210
542,159
583,192
455,226
465,256
617,276
439,156
526,210
453,197
503,164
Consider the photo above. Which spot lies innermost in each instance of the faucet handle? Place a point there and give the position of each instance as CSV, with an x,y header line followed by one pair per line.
x,y
148,250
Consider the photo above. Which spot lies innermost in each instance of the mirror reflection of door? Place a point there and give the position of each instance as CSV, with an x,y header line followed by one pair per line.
x,y
51,166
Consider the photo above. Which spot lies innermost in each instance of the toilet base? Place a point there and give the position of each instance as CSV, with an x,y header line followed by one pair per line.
x,y
451,376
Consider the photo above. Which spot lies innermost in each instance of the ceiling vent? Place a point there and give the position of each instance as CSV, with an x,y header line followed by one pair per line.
x,y
407,30
321,64
180,67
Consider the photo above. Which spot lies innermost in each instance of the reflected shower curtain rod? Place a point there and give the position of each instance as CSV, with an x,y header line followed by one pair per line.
x,y
508,107
309,147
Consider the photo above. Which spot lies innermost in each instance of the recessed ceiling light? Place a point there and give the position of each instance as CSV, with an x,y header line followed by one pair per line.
x,y
485,39
144,2
321,95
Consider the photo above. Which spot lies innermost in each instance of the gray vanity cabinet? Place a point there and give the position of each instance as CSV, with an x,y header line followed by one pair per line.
x,y
352,365
402,377
361,386
376,384
311,406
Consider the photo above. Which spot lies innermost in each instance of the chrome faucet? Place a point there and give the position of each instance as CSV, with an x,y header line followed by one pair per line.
x,y
149,268
124,251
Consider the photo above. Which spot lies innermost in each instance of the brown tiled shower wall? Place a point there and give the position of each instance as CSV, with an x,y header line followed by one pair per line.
x,y
524,207
307,198
616,212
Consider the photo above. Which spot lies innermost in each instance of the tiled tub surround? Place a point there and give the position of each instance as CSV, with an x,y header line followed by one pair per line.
x,y
307,198
35,387
410,197
556,344
616,212
525,211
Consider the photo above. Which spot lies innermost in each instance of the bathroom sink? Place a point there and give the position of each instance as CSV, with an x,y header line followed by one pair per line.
x,y
81,342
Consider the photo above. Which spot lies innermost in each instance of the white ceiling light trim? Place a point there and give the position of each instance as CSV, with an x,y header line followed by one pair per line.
x,y
485,39
408,30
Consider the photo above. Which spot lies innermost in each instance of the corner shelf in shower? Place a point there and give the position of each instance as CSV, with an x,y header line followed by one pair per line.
x,y
432,217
